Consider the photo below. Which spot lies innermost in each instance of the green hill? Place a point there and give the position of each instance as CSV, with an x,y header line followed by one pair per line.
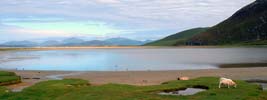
x,y
178,38
246,26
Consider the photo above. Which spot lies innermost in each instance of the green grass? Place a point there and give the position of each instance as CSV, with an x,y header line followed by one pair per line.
x,y
5,73
8,77
75,89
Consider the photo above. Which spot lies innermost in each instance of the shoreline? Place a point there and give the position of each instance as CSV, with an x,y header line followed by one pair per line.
x,y
142,77
137,78
122,47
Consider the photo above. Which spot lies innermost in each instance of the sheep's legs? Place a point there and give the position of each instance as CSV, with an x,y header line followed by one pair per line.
x,y
219,85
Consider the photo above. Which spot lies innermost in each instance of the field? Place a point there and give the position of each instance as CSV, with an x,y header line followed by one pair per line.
x,y
76,89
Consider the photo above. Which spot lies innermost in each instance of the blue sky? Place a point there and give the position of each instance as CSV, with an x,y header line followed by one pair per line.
x,y
99,19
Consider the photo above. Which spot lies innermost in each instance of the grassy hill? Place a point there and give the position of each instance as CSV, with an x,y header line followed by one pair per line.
x,y
246,26
178,38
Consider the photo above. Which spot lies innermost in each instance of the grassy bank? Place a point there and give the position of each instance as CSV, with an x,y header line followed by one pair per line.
x,y
75,89
7,78
243,65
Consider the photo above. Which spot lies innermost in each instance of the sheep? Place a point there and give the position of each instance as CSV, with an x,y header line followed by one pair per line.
x,y
228,82
183,78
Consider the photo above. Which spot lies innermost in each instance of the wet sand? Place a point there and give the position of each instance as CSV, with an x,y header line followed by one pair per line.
x,y
158,77
140,78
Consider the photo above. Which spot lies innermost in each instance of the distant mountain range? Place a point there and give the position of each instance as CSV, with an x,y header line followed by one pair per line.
x,y
248,26
76,42
19,44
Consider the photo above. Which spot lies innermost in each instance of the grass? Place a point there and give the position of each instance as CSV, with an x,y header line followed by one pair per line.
x,y
8,77
76,89
5,73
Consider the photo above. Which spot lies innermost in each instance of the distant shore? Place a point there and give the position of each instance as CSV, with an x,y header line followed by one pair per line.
x,y
121,47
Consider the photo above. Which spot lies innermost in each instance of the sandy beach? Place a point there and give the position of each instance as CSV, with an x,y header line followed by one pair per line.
x,y
140,78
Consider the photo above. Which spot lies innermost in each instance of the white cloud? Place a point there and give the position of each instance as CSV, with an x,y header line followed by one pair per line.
x,y
130,15
108,1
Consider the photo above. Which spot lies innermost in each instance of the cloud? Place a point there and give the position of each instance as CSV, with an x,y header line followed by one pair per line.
x,y
86,27
119,16
108,1
39,33
18,33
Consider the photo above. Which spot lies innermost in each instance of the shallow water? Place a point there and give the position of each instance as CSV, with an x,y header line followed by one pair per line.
x,y
187,91
130,59
262,84
61,76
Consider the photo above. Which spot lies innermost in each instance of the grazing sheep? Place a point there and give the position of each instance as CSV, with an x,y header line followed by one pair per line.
x,y
228,82
183,78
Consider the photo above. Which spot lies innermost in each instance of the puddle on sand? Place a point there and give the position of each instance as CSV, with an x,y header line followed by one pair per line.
x,y
262,83
264,86
61,76
183,92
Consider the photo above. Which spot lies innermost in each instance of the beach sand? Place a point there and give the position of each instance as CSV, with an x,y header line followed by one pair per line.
x,y
140,78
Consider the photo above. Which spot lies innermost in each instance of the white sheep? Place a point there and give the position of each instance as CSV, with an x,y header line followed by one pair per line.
x,y
228,82
183,78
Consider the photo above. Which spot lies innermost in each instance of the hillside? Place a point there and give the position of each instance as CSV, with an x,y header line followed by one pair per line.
x,y
246,26
178,38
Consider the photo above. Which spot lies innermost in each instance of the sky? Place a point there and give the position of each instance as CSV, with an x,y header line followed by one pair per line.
x,y
100,19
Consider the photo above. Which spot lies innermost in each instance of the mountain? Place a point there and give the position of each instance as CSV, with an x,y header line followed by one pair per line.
x,y
19,44
246,26
50,43
76,42
72,40
95,43
123,41
178,38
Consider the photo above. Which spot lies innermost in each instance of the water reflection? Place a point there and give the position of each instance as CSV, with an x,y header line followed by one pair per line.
x,y
130,59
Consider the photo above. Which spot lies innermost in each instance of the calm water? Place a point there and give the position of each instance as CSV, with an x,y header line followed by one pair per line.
x,y
130,59
187,91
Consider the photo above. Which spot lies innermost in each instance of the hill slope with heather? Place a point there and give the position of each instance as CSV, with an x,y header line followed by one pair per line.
x,y
246,26
178,38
